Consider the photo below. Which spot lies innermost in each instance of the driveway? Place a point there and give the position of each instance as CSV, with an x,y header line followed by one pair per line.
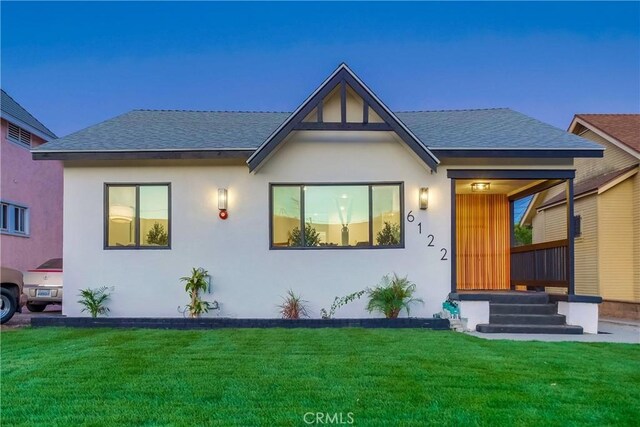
x,y
24,318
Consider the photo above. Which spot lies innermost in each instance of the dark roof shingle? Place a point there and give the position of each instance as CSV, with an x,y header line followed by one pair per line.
x,y
217,130
12,110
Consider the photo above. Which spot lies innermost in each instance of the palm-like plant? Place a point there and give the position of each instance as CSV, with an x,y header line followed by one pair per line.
x,y
193,285
94,300
391,296
293,306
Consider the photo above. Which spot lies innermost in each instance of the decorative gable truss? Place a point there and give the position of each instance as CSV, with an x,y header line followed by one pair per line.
x,y
342,103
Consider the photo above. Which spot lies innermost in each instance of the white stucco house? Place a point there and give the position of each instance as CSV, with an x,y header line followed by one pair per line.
x,y
427,194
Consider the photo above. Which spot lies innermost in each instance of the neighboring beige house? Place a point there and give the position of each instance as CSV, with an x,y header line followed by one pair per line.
x,y
607,210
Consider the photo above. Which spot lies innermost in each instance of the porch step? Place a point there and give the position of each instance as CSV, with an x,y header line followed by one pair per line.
x,y
526,319
512,297
498,308
519,298
529,329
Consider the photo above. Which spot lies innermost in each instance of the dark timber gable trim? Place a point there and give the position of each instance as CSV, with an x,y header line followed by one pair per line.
x,y
342,77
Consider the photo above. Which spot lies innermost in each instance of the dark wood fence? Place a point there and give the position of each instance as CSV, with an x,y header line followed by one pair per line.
x,y
540,265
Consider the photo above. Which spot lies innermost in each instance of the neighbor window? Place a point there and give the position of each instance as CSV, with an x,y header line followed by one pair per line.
x,y
137,216
17,134
14,219
577,226
336,216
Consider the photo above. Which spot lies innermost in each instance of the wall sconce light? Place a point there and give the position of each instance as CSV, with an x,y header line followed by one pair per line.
x,y
222,203
480,186
424,198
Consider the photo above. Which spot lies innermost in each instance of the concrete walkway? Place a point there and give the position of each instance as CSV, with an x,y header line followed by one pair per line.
x,y
610,330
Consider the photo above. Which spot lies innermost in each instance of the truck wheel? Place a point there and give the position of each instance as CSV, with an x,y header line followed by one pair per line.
x,y
36,308
8,305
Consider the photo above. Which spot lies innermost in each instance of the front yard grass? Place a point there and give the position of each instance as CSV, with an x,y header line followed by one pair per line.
x,y
71,377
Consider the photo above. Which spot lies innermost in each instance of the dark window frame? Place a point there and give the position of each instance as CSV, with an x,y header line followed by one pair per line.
x,y
577,226
137,186
369,185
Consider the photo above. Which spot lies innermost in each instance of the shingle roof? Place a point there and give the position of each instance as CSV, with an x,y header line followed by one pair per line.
x,y
623,127
219,130
589,185
15,113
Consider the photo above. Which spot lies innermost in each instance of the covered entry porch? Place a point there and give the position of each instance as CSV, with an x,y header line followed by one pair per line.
x,y
500,283
486,256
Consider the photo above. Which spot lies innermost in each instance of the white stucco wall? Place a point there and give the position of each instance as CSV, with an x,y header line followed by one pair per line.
x,y
248,278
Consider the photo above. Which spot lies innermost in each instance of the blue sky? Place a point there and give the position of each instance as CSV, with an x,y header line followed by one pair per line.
x,y
75,64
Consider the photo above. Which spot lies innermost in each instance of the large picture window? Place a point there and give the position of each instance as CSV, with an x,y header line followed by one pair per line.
x,y
323,216
137,216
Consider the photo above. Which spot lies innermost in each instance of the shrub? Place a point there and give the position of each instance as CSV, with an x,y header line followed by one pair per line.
x,y
157,235
94,300
389,235
293,306
339,302
391,296
311,236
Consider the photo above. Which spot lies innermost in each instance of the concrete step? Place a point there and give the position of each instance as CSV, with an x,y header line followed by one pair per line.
x,y
498,308
529,329
513,297
527,319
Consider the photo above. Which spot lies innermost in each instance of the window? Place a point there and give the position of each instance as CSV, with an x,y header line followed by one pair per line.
x,y
14,219
326,216
17,134
137,216
4,217
20,217
577,226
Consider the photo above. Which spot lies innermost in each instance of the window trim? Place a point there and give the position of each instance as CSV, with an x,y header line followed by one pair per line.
x,y
105,215
11,219
369,184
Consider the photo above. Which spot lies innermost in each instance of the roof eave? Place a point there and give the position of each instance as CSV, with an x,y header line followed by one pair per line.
x,y
186,154
518,152
8,117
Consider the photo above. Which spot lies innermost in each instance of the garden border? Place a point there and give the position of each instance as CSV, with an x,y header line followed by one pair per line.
x,y
220,323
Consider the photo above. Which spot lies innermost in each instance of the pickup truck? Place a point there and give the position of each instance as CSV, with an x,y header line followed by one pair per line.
x,y
11,297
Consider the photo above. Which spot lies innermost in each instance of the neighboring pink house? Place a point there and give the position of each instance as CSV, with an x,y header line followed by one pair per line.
x,y
30,192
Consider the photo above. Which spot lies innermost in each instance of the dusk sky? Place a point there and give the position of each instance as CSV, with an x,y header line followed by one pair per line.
x,y
75,64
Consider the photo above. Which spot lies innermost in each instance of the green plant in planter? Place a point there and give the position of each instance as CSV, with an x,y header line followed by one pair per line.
x,y
194,284
391,296
94,300
389,235
339,302
293,306
311,236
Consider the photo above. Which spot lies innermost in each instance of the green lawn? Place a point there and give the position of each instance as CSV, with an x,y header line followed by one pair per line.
x,y
70,377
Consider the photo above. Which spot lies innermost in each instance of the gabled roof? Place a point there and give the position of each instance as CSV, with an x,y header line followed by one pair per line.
x,y
621,129
342,76
210,134
13,112
485,132
597,184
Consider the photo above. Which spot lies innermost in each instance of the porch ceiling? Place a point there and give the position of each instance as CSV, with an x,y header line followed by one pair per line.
x,y
497,186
